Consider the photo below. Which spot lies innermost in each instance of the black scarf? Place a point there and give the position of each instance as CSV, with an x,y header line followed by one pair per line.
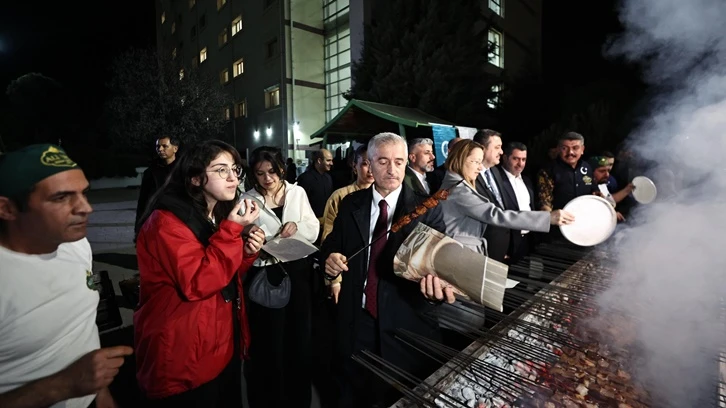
x,y
202,228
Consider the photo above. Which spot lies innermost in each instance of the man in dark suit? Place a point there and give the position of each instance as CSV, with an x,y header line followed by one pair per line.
x,y
421,162
489,184
373,302
518,194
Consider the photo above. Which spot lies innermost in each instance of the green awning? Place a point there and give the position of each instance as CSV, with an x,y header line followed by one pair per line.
x,y
363,119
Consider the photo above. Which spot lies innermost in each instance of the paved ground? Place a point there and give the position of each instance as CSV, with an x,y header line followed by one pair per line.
x,y
110,233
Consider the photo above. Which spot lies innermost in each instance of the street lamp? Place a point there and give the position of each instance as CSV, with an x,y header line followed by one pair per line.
x,y
268,132
257,134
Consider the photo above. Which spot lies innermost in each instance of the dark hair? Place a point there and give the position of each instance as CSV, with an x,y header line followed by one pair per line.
x,y
607,153
570,136
482,136
270,154
360,153
511,146
318,154
193,163
173,140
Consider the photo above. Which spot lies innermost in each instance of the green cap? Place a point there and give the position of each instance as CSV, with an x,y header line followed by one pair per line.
x,y
599,161
22,169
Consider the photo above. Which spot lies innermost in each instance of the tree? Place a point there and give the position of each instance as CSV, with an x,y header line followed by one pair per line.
x,y
39,110
431,55
153,95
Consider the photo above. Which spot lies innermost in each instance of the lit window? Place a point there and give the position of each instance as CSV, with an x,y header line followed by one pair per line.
x,y
272,97
240,109
181,74
192,3
223,37
163,17
493,101
173,27
495,48
203,55
173,53
224,76
239,67
496,6
237,25
227,113
221,3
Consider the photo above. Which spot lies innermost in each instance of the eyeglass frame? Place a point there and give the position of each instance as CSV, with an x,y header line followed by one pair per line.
x,y
228,170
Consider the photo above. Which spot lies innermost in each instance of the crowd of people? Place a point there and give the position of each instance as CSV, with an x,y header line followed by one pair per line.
x,y
210,297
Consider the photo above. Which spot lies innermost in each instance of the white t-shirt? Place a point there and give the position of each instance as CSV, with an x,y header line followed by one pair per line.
x,y
47,315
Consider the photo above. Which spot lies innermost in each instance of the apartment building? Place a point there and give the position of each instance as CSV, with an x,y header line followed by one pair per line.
x,y
287,63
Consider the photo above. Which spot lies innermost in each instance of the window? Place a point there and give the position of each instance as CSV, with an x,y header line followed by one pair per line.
x,y
192,3
237,25
271,48
163,17
240,109
227,113
495,48
203,55
181,74
223,37
337,56
193,32
173,27
224,76
221,3
195,61
496,6
239,67
173,53
272,97
493,101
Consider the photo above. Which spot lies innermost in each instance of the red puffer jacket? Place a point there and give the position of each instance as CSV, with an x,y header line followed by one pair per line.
x,y
183,328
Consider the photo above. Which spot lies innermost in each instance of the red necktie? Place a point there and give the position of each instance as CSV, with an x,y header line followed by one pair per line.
x,y
376,250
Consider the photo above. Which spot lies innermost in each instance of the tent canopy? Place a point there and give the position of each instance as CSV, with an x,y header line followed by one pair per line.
x,y
360,120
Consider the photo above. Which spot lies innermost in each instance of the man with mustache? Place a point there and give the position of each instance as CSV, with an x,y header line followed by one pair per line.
x,y
421,161
49,344
566,177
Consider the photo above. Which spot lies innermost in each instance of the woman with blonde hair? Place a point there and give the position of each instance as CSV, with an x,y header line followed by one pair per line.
x,y
467,213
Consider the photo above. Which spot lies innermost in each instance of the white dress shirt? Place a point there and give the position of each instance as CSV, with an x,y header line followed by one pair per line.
x,y
520,191
392,200
422,179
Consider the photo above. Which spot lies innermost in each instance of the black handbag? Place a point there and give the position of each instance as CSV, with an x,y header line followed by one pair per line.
x,y
264,293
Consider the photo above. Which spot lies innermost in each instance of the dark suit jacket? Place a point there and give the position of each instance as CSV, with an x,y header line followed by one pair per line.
x,y
435,178
400,302
412,181
510,202
498,238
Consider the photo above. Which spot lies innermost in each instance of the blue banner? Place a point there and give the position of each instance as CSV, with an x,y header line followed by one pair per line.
x,y
442,136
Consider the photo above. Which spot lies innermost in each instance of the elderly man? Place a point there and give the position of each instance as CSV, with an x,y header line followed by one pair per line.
x,y
155,176
49,344
421,161
373,302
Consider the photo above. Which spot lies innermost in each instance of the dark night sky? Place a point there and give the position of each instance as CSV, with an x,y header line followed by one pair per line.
x,y
71,41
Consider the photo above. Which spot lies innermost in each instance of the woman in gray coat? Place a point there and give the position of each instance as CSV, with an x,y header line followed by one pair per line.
x,y
467,213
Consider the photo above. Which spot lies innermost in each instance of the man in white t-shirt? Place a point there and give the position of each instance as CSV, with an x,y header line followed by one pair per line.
x,y
49,344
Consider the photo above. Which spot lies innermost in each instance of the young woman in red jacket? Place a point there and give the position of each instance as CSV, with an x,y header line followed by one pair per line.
x,y
190,327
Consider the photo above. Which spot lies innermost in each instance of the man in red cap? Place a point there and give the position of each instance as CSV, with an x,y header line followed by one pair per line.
x,y
50,352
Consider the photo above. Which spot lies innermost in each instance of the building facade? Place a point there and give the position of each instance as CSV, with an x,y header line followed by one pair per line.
x,y
287,63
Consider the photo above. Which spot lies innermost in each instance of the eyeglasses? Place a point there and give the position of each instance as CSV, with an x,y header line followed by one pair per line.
x,y
475,162
225,171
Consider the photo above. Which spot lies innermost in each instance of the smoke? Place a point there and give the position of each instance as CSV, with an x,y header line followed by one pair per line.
x,y
672,265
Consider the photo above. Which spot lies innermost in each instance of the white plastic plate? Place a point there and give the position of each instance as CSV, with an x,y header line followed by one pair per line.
x,y
645,191
595,220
